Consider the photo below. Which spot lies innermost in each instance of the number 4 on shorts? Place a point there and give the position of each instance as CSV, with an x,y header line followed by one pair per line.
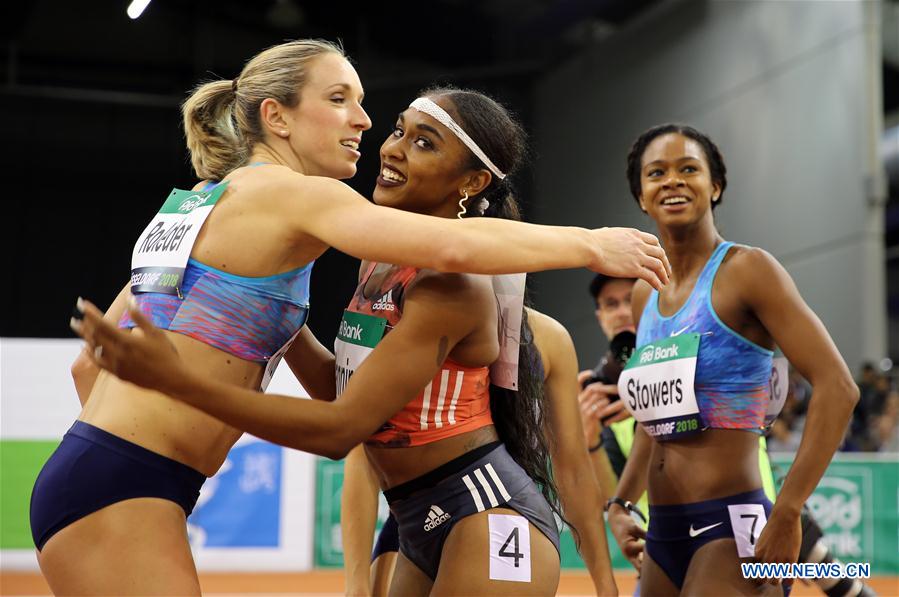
x,y
512,540
510,547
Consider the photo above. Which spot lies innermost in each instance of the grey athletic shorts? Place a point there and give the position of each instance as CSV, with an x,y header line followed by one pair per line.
x,y
427,508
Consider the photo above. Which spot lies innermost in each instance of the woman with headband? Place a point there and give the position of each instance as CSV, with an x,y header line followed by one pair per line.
x,y
369,568
108,509
458,458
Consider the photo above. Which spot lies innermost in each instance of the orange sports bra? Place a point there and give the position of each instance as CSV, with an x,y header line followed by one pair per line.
x,y
455,401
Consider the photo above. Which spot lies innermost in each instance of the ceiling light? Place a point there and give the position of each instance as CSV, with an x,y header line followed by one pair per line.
x,y
136,8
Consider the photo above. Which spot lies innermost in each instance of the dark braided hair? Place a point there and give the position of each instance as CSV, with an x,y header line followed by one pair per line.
x,y
717,169
519,416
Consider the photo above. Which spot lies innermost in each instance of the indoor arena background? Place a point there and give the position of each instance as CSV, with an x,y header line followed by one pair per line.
x,y
802,98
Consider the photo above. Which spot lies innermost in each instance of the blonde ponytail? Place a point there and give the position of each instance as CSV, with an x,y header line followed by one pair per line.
x,y
214,144
222,122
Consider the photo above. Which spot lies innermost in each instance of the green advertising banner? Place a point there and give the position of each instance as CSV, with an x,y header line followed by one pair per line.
x,y
856,503
857,506
20,463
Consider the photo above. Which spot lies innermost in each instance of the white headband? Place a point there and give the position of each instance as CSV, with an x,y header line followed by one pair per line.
x,y
425,105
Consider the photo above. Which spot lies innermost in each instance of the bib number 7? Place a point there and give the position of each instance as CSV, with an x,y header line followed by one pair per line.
x,y
510,547
747,521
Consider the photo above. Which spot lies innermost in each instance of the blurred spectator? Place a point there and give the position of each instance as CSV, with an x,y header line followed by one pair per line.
x,y
875,421
864,431
786,432
886,424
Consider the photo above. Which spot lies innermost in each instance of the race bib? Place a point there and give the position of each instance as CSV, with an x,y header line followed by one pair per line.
x,y
357,337
780,387
747,520
162,250
509,292
510,547
274,361
657,387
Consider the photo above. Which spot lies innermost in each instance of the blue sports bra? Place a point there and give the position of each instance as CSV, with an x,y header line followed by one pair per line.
x,y
249,317
733,374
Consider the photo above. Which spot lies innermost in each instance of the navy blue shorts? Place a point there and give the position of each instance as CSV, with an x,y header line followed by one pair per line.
x,y
92,469
677,532
388,538
427,508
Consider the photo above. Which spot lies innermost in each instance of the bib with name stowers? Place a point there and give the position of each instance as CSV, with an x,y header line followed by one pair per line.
x,y
735,382
657,386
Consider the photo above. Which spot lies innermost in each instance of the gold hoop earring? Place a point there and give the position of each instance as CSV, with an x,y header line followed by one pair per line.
x,y
463,209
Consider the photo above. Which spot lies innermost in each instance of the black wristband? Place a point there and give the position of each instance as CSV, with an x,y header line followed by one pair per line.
x,y
617,500
627,505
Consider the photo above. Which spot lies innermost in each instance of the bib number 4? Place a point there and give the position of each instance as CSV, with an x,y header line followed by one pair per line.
x,y
510,547
513,553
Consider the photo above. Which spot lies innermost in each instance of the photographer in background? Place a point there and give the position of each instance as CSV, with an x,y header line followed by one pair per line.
x,y
608,428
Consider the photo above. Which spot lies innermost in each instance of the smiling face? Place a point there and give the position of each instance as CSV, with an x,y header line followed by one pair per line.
x,y
326,126
675,181
424,166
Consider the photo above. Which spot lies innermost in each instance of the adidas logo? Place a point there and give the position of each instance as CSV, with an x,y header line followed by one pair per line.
x,y
385,303
435,518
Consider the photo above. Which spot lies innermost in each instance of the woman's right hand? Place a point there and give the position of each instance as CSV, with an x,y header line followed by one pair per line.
x,y
628,534
631,253
142,356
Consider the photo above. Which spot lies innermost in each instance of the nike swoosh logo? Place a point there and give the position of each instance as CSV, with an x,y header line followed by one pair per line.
x,y
697,532
680,331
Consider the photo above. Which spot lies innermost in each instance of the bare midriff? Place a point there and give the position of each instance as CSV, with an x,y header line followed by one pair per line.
x,y
395,466
713,464
166,426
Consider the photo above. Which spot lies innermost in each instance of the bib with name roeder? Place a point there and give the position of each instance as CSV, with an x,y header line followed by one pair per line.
x,y
162,250
657,387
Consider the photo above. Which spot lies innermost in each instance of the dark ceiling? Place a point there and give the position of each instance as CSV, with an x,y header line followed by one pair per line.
x,y
89,106
89,102
94,45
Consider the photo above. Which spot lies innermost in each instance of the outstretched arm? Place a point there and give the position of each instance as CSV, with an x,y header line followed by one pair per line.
x,y
578,488
332,212
383,384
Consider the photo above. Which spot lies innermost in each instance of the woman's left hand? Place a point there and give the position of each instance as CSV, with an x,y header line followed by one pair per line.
x,y
142,356
779,542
